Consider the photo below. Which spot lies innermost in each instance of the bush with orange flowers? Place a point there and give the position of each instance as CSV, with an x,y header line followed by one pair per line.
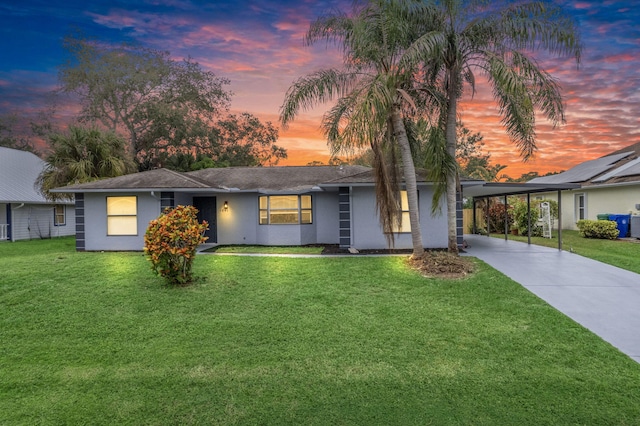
x,y
171,241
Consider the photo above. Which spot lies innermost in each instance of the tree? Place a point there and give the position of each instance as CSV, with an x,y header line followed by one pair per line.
x,y
8,137
374,90
245,141
83,155
159,103
472,160
236,140
467,36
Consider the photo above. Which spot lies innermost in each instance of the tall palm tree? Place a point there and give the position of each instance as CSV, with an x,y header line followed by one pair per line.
x,y
469,36
374,90
82,155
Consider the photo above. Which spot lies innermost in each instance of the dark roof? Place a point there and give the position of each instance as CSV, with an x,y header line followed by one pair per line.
x,y
618,167
275,179
259,179
152,180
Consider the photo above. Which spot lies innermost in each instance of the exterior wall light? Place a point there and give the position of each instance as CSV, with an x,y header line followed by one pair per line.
x,y
226,206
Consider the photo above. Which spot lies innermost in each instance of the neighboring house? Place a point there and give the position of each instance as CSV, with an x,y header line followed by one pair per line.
x,y
249,205
24,212
609,184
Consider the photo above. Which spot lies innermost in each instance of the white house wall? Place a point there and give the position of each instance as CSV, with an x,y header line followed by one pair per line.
x,y
614,200
367,232
35,221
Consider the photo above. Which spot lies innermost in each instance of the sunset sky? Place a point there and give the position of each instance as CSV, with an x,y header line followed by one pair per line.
x,y
257,44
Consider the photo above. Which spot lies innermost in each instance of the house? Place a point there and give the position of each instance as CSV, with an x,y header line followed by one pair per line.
x,y
24,212
609,184
250,205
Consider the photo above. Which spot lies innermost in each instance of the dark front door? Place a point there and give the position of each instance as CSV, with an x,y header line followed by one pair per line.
x,y
207,211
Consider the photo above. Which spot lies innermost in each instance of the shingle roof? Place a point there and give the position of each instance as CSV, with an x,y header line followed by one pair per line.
x,y
620,166
19,171
275,179
152,179
260,179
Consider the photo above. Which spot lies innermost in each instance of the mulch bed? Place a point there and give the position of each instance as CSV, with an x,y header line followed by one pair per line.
x,y
434,263
442,264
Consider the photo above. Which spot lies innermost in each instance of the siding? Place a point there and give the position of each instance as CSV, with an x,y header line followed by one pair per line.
x,y
34,221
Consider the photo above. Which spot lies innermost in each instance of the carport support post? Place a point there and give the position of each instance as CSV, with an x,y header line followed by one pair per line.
x,y
506,220
529,218
475,227
488,221
559,219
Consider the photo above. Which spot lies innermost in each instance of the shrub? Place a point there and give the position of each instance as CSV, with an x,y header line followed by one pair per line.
x,y
603,229
171,241
521,219
496,217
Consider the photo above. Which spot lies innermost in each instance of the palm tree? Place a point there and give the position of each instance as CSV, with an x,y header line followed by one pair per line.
x,y
82,155
375,91
467,36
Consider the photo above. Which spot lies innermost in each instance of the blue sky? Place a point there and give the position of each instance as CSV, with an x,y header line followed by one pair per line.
x,y
257,44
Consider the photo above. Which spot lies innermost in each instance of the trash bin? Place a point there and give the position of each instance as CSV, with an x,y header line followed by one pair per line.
x,y
622,221
604,216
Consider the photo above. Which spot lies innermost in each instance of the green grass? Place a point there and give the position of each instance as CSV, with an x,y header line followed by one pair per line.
x,y
96,338
267,249
620,253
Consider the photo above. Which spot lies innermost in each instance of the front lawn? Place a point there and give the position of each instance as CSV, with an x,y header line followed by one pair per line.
x,y
95,338
621,253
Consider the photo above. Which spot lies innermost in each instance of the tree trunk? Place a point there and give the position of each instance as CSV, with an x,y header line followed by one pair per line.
x,y
410,181
452,176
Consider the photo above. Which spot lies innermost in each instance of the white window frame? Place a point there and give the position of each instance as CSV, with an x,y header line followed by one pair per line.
x,y
113,233
577,208
264,214
57,214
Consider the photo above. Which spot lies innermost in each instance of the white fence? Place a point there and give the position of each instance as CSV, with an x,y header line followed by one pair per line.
x,y
3,231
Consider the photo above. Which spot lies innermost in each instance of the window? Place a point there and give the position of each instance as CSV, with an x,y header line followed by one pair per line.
x,y
285,209
122,216
405,224
59,216
581,207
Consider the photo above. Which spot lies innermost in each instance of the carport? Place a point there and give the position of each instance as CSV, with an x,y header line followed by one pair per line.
x,y
487,190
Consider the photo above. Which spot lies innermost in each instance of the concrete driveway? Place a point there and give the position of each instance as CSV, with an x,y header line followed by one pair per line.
x,y
600,297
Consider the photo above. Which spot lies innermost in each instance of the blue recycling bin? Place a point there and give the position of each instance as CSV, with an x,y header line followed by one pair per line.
x,y
622,221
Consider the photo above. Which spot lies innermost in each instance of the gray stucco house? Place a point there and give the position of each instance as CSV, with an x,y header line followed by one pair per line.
x,y
249,205
24,212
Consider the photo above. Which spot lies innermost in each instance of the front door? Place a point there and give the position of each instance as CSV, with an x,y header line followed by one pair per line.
x,y
207,211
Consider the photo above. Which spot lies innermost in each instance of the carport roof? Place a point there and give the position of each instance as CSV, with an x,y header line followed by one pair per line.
x,y
497,189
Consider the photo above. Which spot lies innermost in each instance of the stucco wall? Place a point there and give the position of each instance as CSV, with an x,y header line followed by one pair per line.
x,y
367,232
237,225
148,208
325,216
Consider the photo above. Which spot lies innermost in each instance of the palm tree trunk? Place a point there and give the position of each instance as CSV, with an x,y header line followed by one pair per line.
x,y
452,94
410,181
